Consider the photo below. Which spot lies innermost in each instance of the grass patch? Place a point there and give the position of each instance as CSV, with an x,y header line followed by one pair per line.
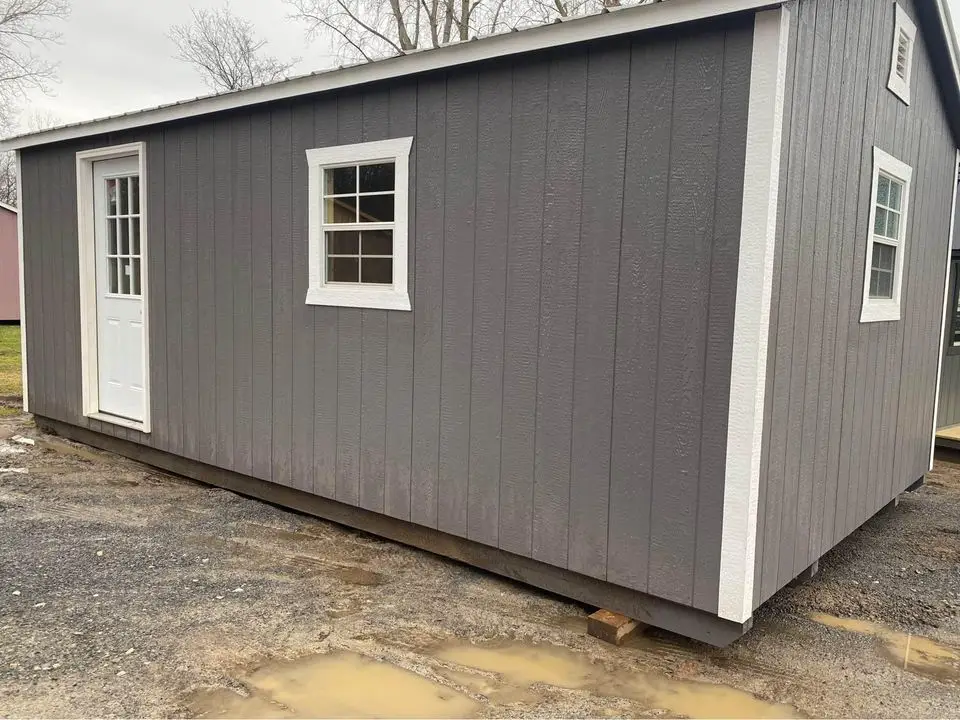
x,y
10,361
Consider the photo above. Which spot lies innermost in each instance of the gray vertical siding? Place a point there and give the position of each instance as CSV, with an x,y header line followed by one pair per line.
x,y
559,389
848,406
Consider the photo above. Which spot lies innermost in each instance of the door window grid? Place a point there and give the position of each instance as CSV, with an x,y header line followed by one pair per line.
x,y
358,223
123,256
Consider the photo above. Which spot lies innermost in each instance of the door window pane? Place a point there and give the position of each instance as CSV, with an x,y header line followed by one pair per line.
x,y
113,281
123,195
135,195
112,236
111,196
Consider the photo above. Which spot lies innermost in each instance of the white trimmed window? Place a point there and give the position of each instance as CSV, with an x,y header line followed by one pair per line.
x,y
901,60
886,239
358,231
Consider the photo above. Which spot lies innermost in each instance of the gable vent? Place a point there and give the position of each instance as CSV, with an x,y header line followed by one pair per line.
x,y
903,52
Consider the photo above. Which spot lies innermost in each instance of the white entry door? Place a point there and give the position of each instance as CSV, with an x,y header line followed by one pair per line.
x,y
121,341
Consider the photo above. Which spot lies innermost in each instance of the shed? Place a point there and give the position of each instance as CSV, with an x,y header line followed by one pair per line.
x,y
9,265
640,308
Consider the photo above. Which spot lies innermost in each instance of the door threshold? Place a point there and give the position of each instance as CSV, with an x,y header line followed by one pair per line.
x,y
138,425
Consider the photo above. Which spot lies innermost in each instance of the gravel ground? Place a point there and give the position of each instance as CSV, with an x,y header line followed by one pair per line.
x,y
125,591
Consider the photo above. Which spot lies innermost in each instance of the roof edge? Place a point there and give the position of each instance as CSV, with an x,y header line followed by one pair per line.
x,y
620,21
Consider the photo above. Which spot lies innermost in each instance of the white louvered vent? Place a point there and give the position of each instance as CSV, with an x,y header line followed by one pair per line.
x,y
901,55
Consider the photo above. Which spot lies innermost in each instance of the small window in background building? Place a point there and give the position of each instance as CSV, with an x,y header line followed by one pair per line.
x,y
358,225
886,238
901,61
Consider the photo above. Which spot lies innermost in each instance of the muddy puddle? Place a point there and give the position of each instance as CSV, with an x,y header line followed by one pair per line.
x,y
914,653
347,684
341,684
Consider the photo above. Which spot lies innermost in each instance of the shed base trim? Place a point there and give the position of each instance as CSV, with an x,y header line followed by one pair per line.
x,y
647,609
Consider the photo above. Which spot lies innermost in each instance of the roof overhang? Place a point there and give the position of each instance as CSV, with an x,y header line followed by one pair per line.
x,y
940,35
618,21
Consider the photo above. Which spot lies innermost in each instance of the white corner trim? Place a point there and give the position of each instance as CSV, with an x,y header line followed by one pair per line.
x,y
748,370
319,292
943,313
89,375
902,22
601,25
23,295
886,309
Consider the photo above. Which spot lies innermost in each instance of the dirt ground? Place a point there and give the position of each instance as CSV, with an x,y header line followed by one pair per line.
x,y
125,591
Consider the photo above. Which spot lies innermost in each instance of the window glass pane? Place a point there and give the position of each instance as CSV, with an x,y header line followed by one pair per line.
x,y
135,236
135,195
343,269
111,197
873,283
122,206
340,181
377,270
883,256
376,208
124,228
884,284
893,225
344,242
113,283
880,222
896,191
124,276
340,210
376,178
112,236
378,242
136,276
883,190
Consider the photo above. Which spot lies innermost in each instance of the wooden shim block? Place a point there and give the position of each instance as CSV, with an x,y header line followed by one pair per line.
x,y
610,627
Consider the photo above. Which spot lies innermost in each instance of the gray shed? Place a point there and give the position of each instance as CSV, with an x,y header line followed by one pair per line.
x,y
641,308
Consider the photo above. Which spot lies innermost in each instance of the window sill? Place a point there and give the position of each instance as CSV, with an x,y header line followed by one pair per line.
x,y
900,89
880,311
122,421
360,297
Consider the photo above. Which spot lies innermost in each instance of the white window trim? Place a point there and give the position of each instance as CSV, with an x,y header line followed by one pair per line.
x,y
902,22
86,225
884,309
319,292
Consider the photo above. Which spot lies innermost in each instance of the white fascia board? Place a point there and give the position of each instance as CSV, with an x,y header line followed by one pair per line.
x,y
603,25
751,327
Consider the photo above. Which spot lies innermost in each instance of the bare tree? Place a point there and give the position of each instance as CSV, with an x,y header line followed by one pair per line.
x,y
371,29
25,27
33,121
225,50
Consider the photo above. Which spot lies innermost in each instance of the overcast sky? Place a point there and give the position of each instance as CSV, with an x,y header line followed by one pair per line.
x,y
116,56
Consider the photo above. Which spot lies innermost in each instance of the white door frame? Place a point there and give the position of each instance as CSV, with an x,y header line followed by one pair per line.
x,y
90,379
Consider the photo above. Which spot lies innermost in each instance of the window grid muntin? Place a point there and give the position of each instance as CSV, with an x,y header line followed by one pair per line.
x,y
124,251
359,225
